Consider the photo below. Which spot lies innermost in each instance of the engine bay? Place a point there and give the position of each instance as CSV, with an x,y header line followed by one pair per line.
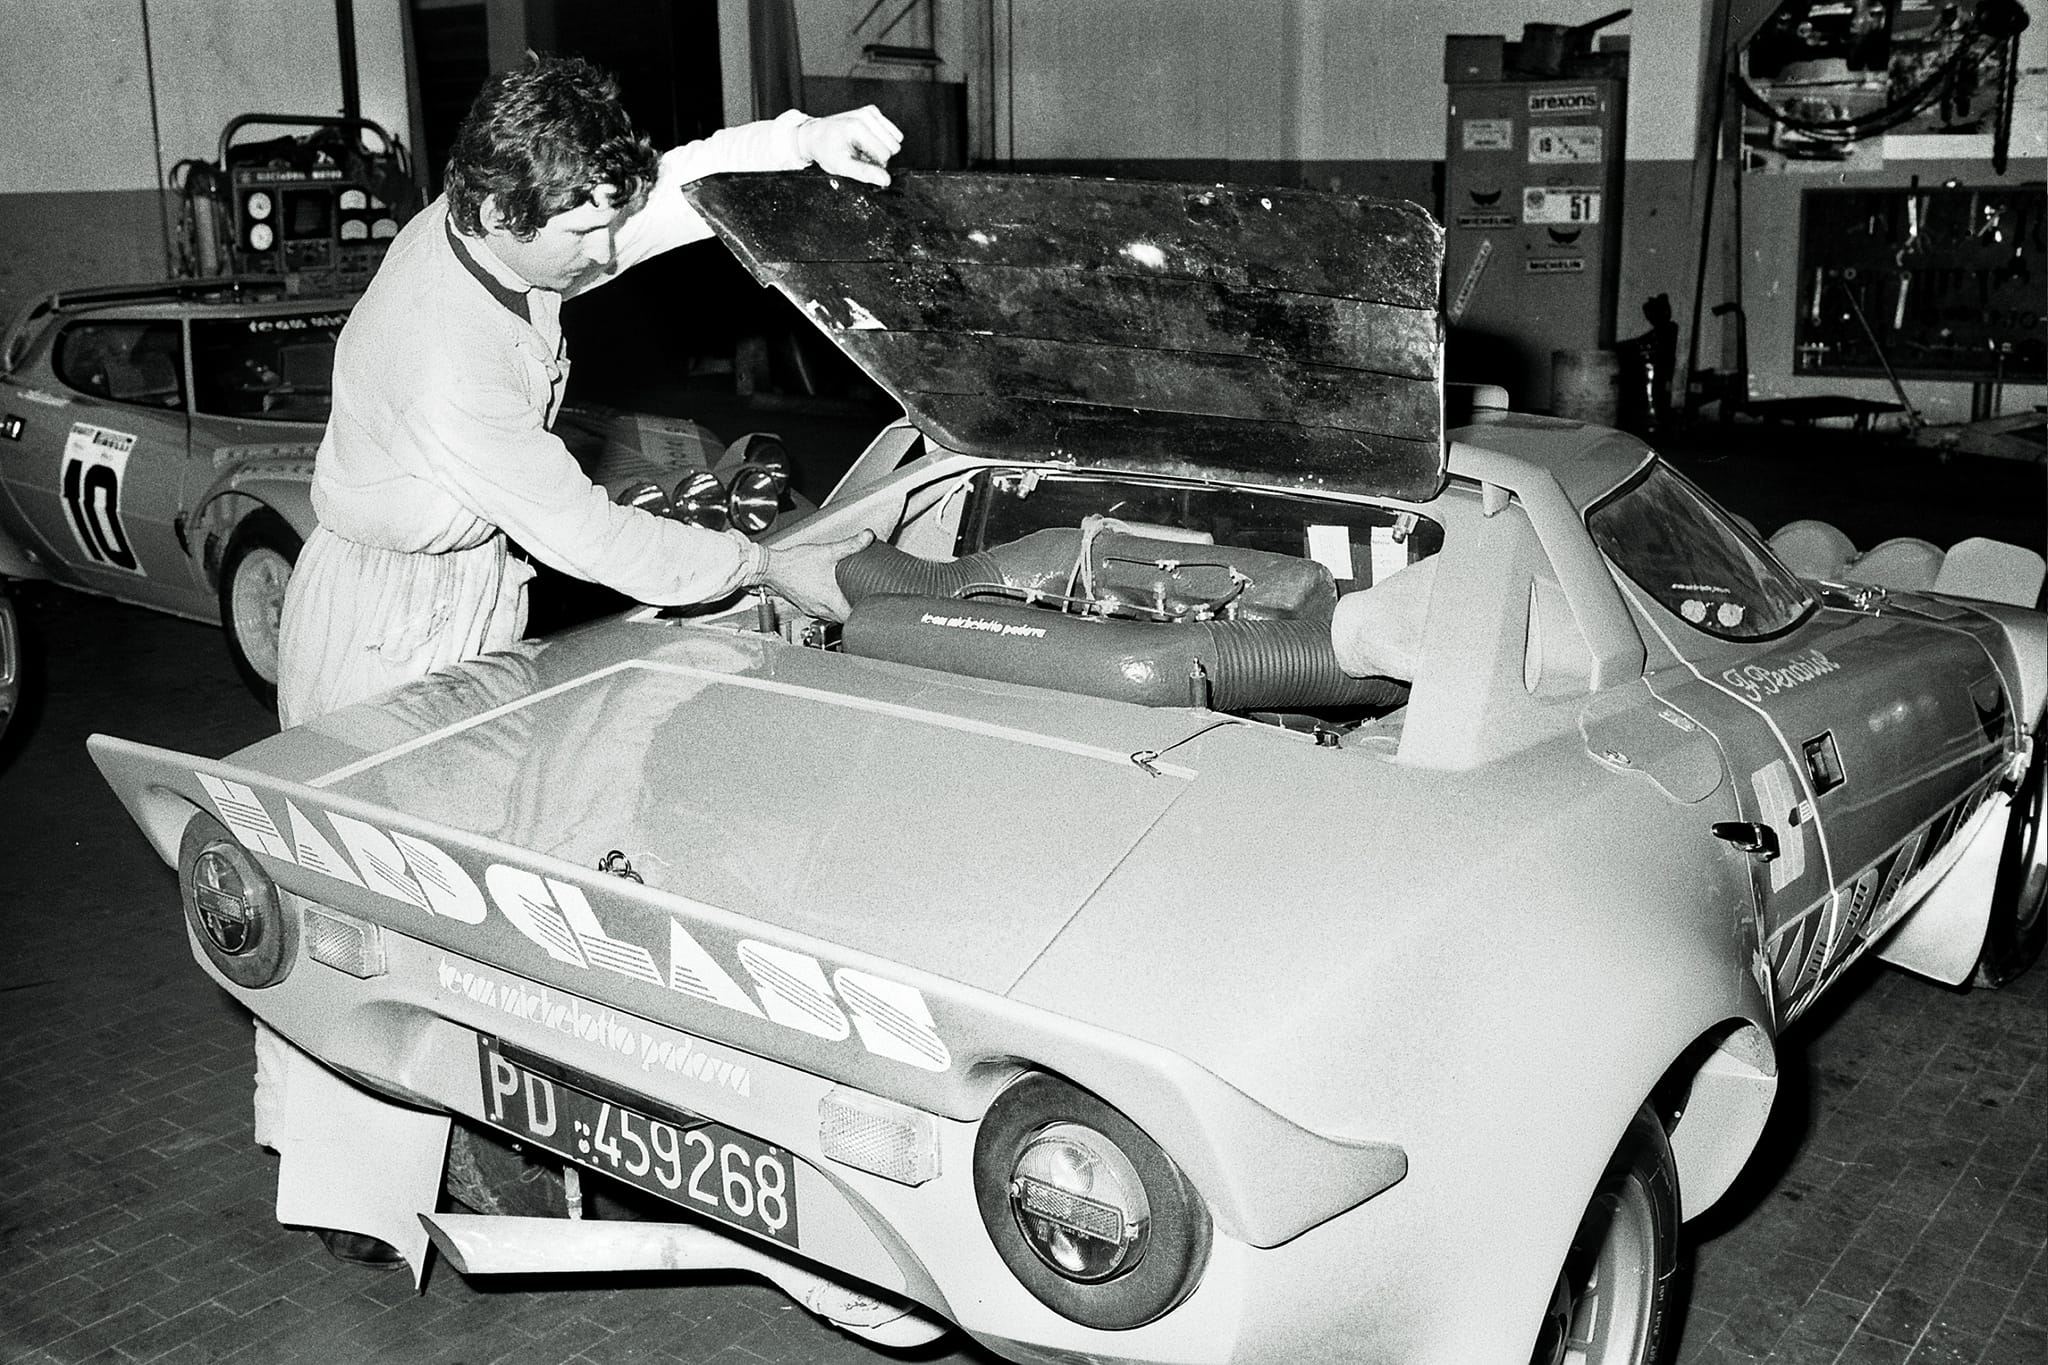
x,y
1148,590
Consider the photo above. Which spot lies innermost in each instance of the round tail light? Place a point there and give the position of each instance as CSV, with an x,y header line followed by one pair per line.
x,y
1084,1208
233,907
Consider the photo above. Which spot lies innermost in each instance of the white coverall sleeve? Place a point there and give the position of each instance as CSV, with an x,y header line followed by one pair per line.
x,y
666,220
486,447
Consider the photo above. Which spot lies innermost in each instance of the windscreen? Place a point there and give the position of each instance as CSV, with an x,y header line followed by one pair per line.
x,y
276,368
1697,563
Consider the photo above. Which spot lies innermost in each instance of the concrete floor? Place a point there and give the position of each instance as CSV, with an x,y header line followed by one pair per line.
x,y
1897,1210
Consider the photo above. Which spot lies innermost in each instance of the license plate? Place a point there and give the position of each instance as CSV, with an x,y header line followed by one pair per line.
x,y
690,1161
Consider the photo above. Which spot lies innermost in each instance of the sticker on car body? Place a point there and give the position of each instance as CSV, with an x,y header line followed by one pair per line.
x,y
95,459
790,988
654,1047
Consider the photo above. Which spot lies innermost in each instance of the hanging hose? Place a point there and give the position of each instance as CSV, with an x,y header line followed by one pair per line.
x,y
1993,25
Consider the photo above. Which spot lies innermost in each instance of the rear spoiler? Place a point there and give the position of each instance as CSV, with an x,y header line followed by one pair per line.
x,y
36,315
828,1009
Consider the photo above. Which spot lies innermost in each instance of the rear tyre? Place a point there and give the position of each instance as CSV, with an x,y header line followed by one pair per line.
x,y
1613,1304
253,576
2013,938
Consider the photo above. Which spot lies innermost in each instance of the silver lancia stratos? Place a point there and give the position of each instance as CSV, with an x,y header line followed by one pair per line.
x,y
1261,875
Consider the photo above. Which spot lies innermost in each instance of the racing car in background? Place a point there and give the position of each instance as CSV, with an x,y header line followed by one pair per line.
x,y
157,440
1262,874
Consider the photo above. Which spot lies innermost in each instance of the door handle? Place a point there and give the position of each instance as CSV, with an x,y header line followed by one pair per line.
x,y
1750,837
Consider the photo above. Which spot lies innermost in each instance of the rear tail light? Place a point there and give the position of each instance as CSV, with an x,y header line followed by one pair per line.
x,y
233,907
1085,1209
1080,1203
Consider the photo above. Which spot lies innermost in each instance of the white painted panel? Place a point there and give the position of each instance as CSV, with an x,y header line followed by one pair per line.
x,y
229,57
74,98
1286,79
75,87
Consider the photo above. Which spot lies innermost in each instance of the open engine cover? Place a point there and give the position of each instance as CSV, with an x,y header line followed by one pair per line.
x,y
1286,337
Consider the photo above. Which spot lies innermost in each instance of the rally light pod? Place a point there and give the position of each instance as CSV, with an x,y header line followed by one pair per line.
x,y
699,499
756,496
1085,1209
236,914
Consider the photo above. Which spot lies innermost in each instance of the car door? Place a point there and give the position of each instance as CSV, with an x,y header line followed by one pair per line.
x,y
1855,739
100,478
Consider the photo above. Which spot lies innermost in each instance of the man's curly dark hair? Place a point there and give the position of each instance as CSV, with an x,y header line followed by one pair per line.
x,y
540,138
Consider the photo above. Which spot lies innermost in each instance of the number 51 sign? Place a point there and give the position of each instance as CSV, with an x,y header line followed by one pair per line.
x,y
94,461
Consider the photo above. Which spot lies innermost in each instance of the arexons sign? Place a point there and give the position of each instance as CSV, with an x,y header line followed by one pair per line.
x,y
789,988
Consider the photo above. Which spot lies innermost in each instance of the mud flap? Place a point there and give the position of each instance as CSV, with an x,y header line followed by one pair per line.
x,y
1942,937
348,1159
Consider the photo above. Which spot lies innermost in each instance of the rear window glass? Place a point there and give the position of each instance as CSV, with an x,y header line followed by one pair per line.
x,y
1357,542
126,361
1695,560
279,368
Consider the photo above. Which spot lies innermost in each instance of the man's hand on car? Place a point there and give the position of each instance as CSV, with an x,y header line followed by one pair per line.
x,y
856,144
807,575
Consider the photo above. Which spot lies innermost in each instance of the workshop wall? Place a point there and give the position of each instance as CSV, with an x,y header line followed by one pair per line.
x,y
1776,293
1345,95
101,98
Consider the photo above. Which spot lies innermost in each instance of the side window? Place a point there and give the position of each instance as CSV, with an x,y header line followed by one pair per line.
x,y
128,361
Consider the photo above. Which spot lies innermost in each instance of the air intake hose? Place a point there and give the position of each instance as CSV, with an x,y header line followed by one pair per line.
x,y
1040,560
1222,665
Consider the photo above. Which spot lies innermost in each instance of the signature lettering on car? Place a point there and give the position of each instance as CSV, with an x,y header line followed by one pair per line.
x,y
1757,681
790,988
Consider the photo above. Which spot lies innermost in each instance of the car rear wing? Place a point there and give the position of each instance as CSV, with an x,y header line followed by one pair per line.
x,y
30,321
826,1008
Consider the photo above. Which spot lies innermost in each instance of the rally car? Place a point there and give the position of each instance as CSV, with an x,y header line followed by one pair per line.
x,y
156,446
1259,876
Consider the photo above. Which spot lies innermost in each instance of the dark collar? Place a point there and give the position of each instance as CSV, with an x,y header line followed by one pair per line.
x,y
512,298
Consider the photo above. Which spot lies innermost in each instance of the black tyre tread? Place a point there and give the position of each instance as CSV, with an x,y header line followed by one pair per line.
x,y
2014,937
261,529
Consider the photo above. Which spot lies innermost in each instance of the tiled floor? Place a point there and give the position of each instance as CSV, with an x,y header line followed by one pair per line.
x,y
1897,1212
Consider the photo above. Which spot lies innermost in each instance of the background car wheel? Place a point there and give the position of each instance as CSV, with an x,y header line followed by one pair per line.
x,y
2012,940
1613,1300
253,575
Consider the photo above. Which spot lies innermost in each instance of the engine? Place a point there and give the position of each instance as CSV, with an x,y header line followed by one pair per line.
x,y
1111,609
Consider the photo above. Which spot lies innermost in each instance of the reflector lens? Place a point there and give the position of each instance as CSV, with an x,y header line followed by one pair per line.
x,y
344,943
879,1136
1080,1203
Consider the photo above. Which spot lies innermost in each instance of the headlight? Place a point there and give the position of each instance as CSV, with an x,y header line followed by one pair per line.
x,y
233,907
1085,1209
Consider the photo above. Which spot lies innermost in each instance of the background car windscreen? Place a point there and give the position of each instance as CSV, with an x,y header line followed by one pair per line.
x,y
1358,542
280,368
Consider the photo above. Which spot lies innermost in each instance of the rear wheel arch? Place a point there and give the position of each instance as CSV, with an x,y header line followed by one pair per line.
x,y
1714,1100
2018,925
